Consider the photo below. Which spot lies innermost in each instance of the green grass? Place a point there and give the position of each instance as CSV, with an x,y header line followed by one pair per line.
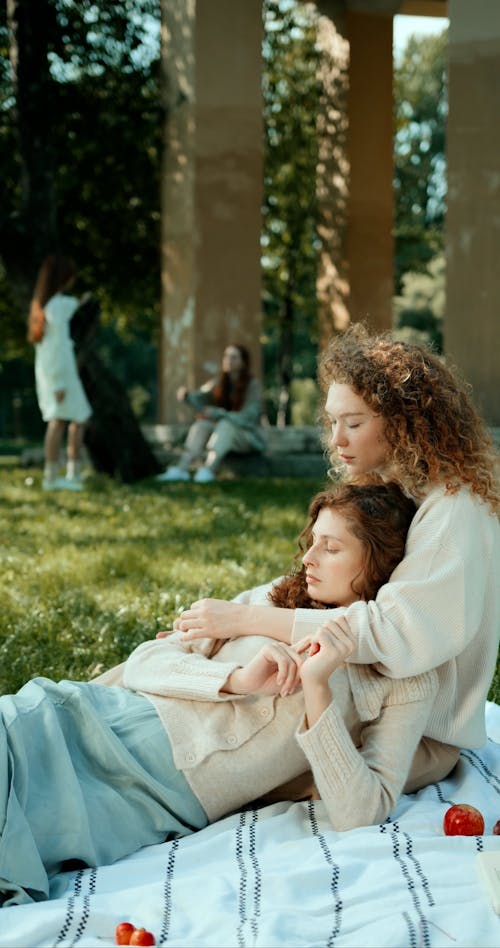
x,y
84,578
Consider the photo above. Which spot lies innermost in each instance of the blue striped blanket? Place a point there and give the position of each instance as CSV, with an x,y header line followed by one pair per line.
x,y
280,877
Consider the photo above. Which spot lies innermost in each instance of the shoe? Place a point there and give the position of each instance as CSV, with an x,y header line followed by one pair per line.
x,y
173,474
71,483
62,483
204,476
51,484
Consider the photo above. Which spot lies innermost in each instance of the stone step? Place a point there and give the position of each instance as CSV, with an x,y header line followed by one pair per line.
x,y
289,452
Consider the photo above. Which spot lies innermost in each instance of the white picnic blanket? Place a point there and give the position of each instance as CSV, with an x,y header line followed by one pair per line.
x,y
280,877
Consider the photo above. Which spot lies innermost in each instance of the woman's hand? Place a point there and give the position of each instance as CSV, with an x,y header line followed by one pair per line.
x,y
327,649
215,618
275,670
222,619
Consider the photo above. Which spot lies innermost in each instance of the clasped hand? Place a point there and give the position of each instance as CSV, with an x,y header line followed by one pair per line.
x,y
280,669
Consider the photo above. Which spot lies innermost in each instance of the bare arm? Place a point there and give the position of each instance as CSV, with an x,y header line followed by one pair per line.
x,y
217,618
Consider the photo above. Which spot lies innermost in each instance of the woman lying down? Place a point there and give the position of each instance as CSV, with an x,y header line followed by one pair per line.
x,y
182,734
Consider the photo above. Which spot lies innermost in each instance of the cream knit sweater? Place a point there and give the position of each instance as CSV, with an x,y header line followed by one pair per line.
x,y
441,609
233,749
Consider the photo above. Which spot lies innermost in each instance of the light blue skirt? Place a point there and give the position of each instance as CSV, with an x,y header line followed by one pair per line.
x,y
86,777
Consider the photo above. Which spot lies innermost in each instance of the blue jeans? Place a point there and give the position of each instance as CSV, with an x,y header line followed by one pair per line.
x,y
86,774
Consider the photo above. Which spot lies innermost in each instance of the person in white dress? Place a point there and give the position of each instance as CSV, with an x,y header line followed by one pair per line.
x,y
61,397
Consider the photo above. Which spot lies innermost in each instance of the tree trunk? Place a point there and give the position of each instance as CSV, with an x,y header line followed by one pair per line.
x,y
113,436
30,25
285,361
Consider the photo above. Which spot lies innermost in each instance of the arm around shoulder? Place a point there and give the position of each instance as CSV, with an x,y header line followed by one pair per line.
x,y
441,597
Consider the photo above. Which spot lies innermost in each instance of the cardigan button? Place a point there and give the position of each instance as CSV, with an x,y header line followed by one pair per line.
x,y
190,757
231,739
264,712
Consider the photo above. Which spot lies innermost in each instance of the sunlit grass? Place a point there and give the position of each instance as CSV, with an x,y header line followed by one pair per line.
x,y
84,578
87,577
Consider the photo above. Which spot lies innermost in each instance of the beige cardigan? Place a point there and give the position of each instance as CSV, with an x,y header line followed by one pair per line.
x,y
234,749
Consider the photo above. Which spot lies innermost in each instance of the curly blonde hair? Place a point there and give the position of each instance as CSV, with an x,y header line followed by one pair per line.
x,y
435,434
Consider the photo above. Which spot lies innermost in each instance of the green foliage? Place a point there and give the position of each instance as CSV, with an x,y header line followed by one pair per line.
x,y
289,239
304,394
103,120
419,310
421,105
86,577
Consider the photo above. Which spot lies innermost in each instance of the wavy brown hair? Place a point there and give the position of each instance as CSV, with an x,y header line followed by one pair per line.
x,y
54,275
379,515
227,394
435,434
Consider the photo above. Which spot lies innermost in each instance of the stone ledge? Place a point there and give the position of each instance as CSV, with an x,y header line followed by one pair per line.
x,y
289,440
289,452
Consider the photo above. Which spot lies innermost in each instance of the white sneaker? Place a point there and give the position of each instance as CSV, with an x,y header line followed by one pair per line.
x,y
51,483
71,483
173,474
204,476
62,483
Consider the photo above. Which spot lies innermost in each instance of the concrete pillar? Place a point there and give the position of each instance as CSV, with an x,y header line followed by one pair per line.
x,y
370,151
177,200
355,169
472,321
212,193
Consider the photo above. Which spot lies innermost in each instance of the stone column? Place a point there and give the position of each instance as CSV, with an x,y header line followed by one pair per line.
x,y
355,170
212,190
370,151
472,322
332,185
177,226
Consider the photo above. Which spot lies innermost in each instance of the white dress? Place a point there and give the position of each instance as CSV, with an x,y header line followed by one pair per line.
x,y
55,365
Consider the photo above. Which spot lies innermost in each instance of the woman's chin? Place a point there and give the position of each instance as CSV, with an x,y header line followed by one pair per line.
x,y
315,595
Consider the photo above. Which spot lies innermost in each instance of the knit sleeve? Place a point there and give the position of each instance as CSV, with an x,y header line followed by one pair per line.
x,y
437,598
175,669
198,399
250,412
361,786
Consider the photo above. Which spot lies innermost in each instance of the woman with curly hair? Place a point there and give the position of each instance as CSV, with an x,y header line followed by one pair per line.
x,y
179,735
397,412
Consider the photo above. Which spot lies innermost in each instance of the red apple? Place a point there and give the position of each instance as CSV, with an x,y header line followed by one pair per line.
x,y
496,828
123,933
463,820
141,937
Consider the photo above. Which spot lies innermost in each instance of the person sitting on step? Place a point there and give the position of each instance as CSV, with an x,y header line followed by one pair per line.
x,y
228,413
